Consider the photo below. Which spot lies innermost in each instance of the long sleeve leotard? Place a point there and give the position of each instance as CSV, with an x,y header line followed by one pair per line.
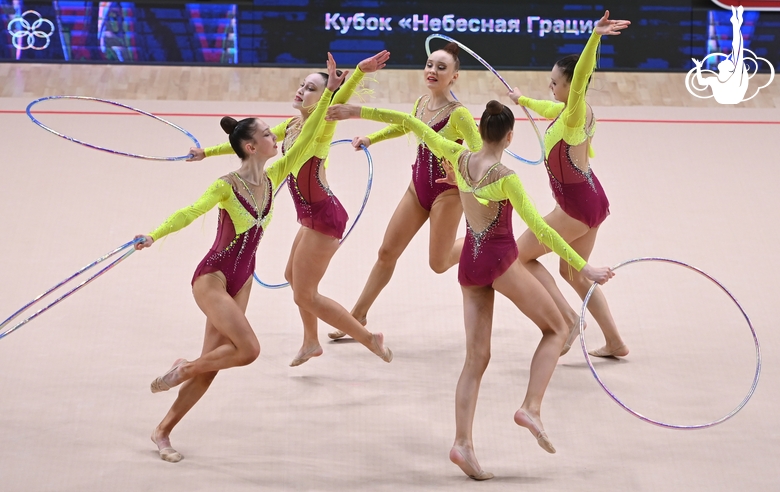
x,y
576,189
490,246
315,204
453,122
243,215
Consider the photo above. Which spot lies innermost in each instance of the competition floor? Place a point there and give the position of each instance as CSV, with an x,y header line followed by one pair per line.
x,y
693,182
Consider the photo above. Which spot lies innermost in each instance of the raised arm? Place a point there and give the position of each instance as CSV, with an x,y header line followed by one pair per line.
x,y
325,136
219,191
463,123
296,156
438,144
575,113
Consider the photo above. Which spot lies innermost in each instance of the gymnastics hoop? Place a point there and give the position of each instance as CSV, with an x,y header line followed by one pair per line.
x,y
96,147
486,65
130,244
354,223
634,412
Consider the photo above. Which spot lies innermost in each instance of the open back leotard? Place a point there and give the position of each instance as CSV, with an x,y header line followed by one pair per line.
x,y
489,248
242,217
456,124
577,192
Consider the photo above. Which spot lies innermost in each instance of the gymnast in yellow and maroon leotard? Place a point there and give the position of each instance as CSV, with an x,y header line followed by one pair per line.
x,y
490,246
453,122
489,192
575,186
315,204
222,281
582,205
243,216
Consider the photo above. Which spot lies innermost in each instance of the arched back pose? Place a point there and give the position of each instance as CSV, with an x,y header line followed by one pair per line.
x,y
731,83
489,192
581,203
321,216
426,197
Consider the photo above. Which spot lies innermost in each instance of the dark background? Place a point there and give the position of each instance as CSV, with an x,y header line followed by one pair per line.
x,y
664,35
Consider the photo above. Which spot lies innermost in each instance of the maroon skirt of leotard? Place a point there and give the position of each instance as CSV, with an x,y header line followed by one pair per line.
x,y
578,193
233,254
486,256
316,206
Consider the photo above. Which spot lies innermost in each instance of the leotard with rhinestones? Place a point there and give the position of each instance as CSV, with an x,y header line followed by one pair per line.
x,y
453,122
315,204
576,189
243,216
489,248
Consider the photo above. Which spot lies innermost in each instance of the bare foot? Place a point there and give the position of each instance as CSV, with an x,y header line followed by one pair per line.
x,y
378,347
467,461
574,332
607,351
534,424
167,453
169,379
336,334
304,355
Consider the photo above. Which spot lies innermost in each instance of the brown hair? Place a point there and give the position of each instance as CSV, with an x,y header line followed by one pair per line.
x,y
453,49
239,131
497,120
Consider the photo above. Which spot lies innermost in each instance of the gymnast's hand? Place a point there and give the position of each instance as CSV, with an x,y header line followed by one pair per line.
x,y
515,95
147,241
376,62
197,154
599,275
334,79
450,174
607,27
360,142
339,112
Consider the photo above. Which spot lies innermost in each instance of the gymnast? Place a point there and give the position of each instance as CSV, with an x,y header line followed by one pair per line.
x,y
426,197
489,192
322,218
582,204
223,280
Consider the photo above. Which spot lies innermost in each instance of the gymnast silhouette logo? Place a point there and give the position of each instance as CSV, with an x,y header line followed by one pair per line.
x,y
730,84
25,34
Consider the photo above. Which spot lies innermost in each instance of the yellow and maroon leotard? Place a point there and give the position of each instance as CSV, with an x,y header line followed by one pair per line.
x,y
316,205
577,192
490,248
457,125
243,217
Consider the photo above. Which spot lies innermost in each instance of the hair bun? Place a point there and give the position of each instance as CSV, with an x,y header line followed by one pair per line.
x,y
228,124
452,48
494,108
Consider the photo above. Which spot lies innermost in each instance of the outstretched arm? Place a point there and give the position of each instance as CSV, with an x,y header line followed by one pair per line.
x,y
545,109
513,189
219,191
438,144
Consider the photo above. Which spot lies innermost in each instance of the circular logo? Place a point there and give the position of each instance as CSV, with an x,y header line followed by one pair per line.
x,y
33,33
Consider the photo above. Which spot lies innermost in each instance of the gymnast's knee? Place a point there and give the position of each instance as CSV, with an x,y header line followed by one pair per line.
x,y
248,354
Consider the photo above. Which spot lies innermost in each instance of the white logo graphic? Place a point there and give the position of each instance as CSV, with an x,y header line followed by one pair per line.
x,y
25,36
730,84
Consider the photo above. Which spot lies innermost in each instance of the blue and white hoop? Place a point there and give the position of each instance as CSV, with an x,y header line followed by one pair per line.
x,y
4,331
357,217
117,152
634,412
487,65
